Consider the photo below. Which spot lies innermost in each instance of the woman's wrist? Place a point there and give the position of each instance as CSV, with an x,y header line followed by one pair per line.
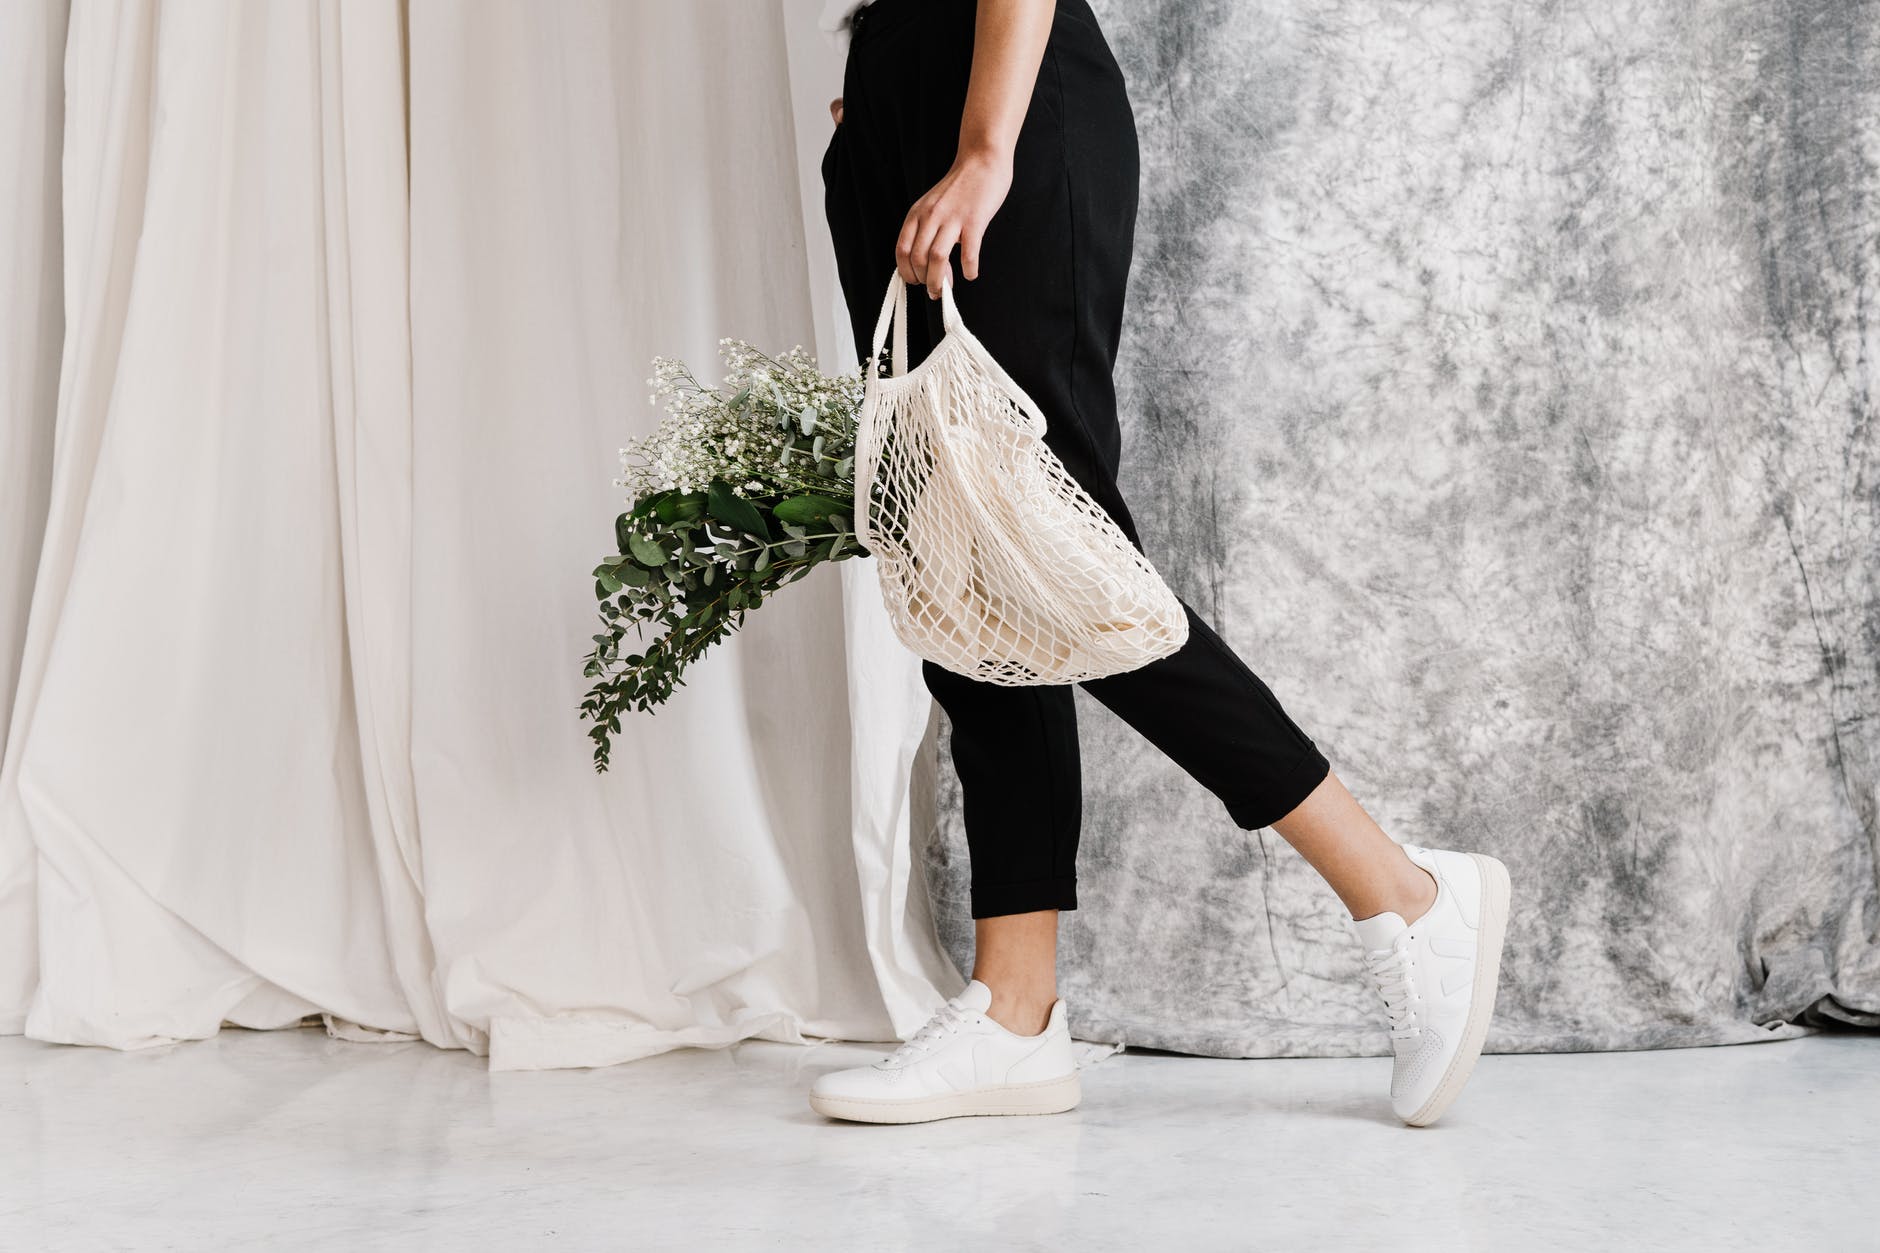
x,y
983,153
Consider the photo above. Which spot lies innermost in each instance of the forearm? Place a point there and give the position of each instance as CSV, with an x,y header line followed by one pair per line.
x,y
1009,38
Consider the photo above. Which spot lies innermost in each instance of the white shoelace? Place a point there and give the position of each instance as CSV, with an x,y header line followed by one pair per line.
x,y
947,1021
1390,970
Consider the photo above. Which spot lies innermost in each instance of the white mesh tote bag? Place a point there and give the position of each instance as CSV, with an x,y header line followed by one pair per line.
x,y
994,562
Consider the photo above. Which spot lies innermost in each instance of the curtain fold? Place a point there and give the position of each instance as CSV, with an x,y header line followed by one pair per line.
x,y
185,756
354,313
366,246
580,203
32,326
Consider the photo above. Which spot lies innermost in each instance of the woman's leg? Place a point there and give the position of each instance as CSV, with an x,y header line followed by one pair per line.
x,y
1366,868
1016,956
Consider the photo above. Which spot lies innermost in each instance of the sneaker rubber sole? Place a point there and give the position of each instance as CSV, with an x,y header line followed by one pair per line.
x,y
1494,915
1052,1096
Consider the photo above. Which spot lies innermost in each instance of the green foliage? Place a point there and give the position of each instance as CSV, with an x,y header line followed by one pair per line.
x,y
689,565
679,608
730,508
807,509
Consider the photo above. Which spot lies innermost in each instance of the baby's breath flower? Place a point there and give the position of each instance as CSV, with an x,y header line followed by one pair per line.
x,y
746,429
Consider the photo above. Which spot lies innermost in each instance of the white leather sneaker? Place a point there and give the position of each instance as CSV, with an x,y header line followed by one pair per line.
x,y
961,1062
1437,977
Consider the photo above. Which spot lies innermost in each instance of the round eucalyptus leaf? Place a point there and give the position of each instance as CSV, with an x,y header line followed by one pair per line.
x,y
645,551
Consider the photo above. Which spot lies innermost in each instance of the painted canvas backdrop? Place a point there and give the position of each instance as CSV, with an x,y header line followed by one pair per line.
x,y
1499,378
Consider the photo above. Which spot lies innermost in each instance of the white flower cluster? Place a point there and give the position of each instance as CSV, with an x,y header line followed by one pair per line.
x,y
748,430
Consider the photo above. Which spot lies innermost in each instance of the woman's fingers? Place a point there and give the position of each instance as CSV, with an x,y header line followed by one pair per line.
x,y
939,267
925,221
930,232
970,239
934,227
904,247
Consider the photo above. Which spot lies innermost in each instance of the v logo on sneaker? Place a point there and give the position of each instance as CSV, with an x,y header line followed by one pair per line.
x,y
1456,949
1468,904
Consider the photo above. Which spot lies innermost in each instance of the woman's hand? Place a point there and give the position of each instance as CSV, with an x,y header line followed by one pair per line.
x,y
955,211
1009,38
835,110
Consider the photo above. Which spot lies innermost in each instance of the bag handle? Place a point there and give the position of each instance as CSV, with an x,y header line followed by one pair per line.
x,y
894,311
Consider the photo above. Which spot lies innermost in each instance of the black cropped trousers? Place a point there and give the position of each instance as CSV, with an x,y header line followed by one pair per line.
x,y
1048,305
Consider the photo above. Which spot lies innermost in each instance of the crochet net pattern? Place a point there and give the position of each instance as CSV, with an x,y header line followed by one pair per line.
x,y
994,562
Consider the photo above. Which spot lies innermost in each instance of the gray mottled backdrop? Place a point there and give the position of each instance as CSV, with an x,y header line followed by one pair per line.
x,y
1500,380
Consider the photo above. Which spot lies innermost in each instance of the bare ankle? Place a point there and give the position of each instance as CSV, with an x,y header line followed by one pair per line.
x,y
1423,895
1020,1010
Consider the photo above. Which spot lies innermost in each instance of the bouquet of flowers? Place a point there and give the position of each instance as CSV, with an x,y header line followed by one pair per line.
x,y
743,488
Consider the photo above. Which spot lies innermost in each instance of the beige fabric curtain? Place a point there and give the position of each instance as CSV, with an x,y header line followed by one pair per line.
x,y
356,304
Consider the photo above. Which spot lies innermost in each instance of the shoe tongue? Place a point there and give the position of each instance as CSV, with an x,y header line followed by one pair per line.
x,y
1378,932
977,997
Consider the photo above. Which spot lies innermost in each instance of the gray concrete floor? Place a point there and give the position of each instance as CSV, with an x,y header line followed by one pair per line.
x,y
292,1140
